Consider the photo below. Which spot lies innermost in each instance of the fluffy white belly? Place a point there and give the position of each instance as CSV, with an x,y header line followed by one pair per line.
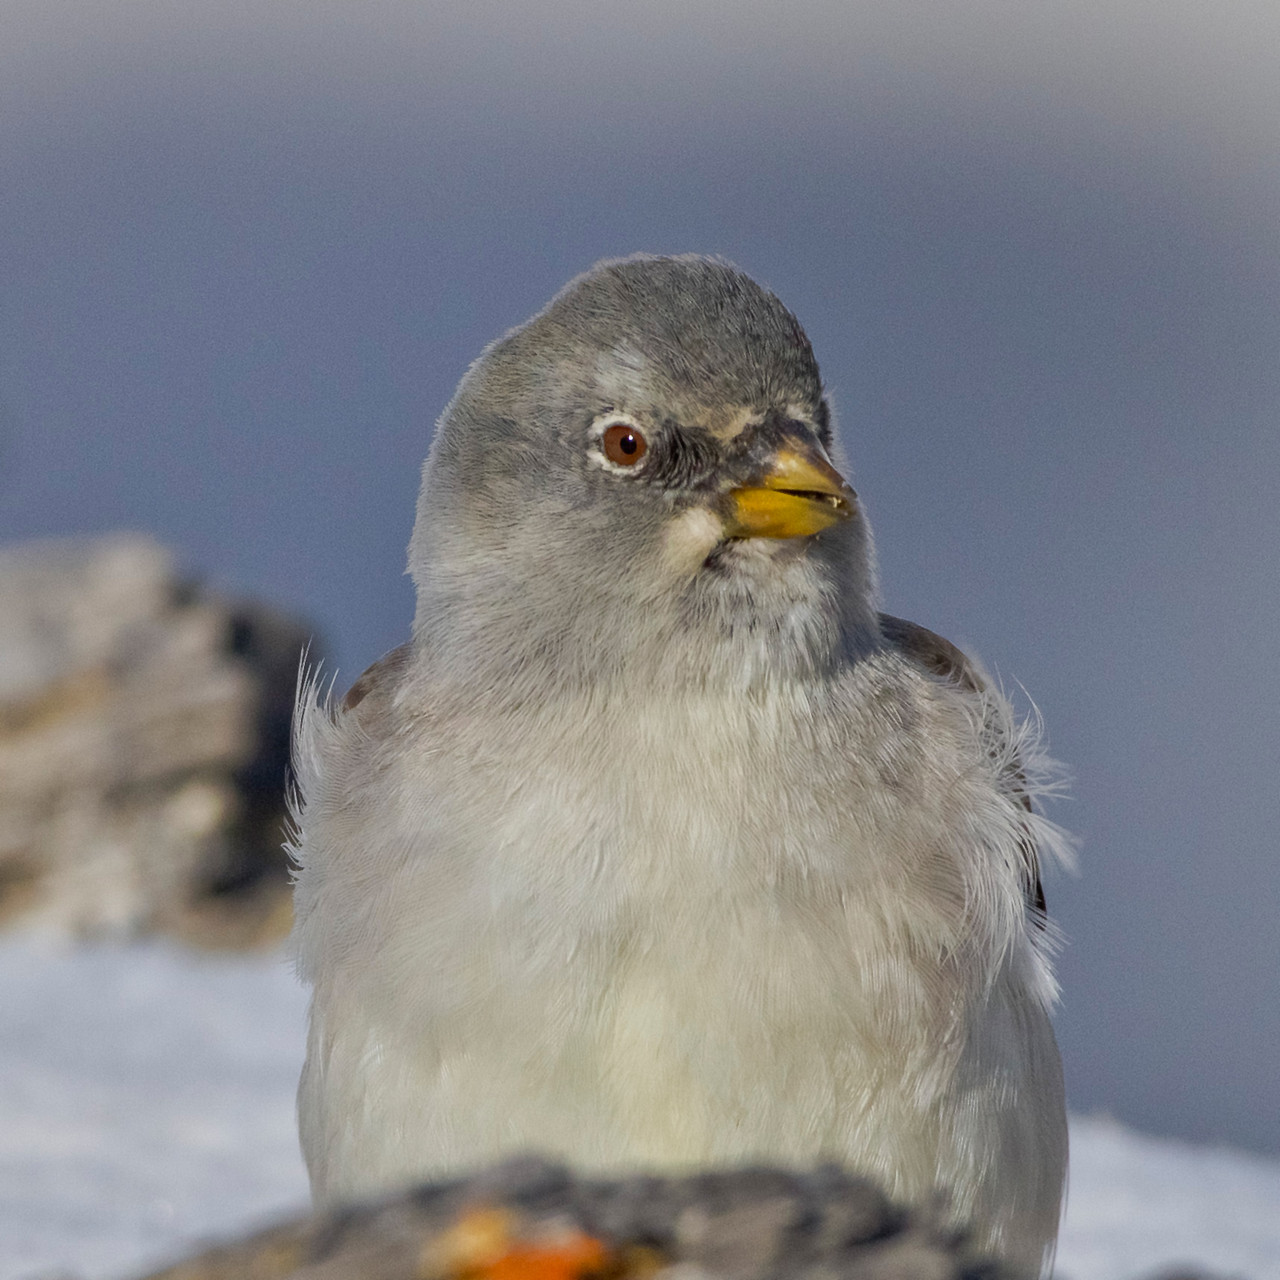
x,y
646,972
754,1039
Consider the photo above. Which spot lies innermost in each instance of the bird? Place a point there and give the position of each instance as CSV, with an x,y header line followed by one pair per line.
x,y
659,845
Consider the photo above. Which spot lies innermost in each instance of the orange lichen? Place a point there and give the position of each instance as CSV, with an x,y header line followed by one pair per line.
x,y
487,1244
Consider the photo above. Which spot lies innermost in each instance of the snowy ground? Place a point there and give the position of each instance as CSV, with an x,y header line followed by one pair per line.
x,y
146,1103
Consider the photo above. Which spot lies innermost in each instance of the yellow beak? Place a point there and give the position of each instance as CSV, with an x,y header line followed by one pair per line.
x,y
800,494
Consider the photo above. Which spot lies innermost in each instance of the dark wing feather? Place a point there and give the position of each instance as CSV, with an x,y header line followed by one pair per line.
x,y
940,658
378,678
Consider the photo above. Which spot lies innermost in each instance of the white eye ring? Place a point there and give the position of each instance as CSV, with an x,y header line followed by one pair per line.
x,y
618,444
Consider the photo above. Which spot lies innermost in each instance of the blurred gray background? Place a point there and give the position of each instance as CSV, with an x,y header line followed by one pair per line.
x,y
249,248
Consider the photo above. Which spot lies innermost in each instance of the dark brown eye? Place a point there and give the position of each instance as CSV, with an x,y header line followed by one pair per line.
x,y
623,445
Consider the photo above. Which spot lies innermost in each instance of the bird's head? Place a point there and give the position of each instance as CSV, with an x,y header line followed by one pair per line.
x,y
639,483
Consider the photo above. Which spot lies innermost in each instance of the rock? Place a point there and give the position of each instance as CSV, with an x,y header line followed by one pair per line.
x,y
531,1219
144,729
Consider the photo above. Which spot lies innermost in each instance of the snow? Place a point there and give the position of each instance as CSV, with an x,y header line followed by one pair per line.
x,y
146,1105
146,1102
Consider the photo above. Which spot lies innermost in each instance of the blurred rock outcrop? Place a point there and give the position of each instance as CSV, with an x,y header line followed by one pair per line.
x,y
532,1220
144,734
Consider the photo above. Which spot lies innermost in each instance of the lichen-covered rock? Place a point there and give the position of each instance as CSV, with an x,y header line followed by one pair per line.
x,y
533,1220
144,727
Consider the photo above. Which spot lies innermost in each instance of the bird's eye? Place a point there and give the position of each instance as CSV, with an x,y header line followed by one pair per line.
x,y
623,445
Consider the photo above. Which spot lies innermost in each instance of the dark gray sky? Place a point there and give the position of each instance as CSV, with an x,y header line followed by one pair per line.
x,y
248,250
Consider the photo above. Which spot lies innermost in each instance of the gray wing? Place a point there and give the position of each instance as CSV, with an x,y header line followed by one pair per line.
x,y
940,658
